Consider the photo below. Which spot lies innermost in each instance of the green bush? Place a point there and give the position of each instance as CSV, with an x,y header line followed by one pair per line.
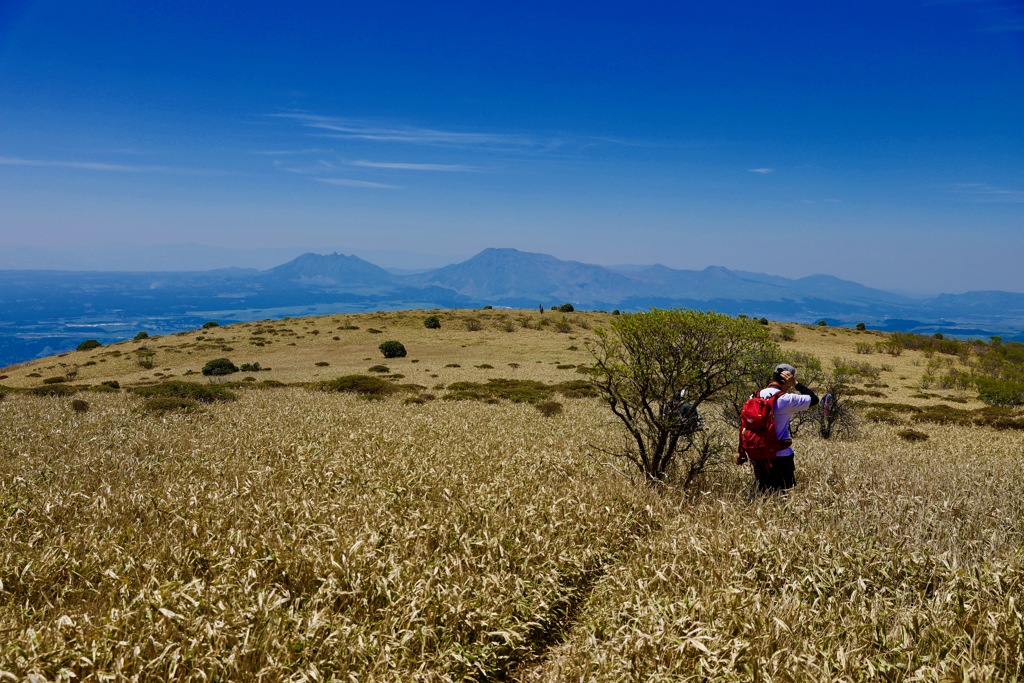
x,y
203,393
112,383
822,323
160,405
141,335
360,384
392,349
88,344
80,406
787,333
566,308
55,380
861,327
1000,392
250,367
762,321
549,408
432,322
210,323
219,366
383,369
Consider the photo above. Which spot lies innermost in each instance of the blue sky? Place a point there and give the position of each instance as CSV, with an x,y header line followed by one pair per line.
x,y
881,142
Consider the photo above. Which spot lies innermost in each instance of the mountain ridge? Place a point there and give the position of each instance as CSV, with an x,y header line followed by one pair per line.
x,y
47,312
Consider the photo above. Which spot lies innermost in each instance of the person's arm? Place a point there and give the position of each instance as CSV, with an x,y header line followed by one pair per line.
x,y
806,391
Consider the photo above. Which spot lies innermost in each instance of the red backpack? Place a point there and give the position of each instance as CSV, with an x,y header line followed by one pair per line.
x,y
758,441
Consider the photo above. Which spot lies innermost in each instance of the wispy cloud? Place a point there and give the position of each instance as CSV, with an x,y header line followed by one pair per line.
x,y
989,194
352,129
346,182
102,166
403,166
78,165
762,171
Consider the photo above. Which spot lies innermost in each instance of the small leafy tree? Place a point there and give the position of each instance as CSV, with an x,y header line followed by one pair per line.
x,y
392,349
646,357
432,322
219,366
88,344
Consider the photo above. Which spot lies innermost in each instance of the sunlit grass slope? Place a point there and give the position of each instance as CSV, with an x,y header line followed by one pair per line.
x,y
302,534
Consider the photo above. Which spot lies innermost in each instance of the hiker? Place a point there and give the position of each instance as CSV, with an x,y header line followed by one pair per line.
x,y
689,420
779,474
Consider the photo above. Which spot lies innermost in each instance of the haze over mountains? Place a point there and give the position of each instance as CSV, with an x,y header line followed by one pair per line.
x,y
46,312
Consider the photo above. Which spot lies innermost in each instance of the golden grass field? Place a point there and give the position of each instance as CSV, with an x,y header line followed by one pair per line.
x,y
297,534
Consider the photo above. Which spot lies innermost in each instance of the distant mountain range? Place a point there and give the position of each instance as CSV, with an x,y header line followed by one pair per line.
x,y
46,312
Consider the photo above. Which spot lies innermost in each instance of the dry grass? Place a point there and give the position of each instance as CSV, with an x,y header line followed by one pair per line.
x,y
297,534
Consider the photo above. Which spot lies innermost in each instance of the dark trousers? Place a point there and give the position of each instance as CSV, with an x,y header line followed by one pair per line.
x,y
776,475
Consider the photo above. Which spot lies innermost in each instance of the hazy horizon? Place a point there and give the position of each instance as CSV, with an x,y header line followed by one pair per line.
x,y
879,143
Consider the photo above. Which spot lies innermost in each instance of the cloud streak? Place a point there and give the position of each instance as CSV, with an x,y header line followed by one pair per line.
x,y
762,171
989,194
347,182
101,166
402,166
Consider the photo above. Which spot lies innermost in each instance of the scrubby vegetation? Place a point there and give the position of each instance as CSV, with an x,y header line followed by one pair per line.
x,y
219,366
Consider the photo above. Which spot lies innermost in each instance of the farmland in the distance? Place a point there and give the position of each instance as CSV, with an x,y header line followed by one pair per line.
x,y
446,531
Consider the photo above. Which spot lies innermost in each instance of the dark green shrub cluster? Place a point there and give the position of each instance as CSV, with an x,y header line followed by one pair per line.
x,y
80,406
141,335
382,369
219,366
88,344
250,367
361,384
210,324
566,308
912,435
193,391
549,408
432,322
322,364
861,327
392,349
518,390
112,383
55,380
822,323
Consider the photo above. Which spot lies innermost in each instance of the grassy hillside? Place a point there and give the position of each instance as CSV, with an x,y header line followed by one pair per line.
x,y
273,530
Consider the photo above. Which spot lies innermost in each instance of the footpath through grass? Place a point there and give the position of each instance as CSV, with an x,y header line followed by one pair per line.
x,y
297,534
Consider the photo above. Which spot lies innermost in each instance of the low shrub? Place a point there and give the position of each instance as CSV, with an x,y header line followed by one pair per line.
x,y
913,435
1000,392
88,344
861,327
79,406
383,369
141,335
432,322
787,333
250,367
112,383
203,393
549,408
566,308
55,380
360,384
322,364
210,324
392,349
218,367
